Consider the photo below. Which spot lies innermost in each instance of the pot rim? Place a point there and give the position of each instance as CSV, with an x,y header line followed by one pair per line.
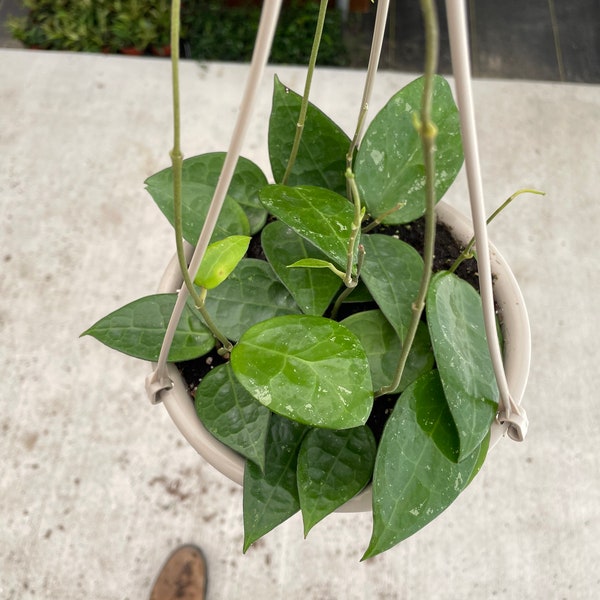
x,y
517,357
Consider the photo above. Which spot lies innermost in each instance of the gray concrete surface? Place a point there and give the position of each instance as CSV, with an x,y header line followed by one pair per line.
x,y
97,486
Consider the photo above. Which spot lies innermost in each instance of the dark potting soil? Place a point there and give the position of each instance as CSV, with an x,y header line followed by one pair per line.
x,y
446,252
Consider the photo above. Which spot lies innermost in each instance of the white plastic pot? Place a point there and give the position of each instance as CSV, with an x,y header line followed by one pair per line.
x,y
517,354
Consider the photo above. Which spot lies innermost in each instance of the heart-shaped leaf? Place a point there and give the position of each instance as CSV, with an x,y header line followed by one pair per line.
x,y
271,497
196,198
220,260
204,171
246,183
310,369
321,216
455,320
414,480
251,294
389,166
321,158
138,329
383,348
312,290
232,415
392,272
333,466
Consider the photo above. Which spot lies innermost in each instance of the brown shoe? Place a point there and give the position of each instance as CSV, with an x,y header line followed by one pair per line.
x,y
183,576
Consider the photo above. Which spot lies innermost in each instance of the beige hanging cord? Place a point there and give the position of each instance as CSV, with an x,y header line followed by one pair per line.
x,y
159,380
509,412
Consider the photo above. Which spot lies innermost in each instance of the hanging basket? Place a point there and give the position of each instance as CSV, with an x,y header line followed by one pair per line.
x,y
517,352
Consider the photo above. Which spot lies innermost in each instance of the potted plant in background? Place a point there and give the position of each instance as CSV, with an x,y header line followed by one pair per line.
x,y
132,28
160,14
127,26
62,25
329,365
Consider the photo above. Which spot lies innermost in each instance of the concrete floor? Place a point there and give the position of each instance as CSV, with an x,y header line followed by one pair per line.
x,y
97,485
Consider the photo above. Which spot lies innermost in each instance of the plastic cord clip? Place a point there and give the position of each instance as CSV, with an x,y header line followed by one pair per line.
x,y
516,420
155,385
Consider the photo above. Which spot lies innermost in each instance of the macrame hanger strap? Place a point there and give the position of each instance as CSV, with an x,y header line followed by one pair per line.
x,y
509,412
159,380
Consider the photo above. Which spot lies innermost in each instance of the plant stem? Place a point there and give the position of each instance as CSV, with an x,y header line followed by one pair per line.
x,y
177,156
348,290
350,281
304,105
428,133
177,165
200,305
466,253
379,219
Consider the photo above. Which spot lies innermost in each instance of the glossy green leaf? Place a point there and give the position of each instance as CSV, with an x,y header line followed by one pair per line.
x,y
271,497
251,294
389,166
414,480
220,260
138,329
232,415
310,369
195,199
392,272
247,181
383,348
455,320
205,170
316,263
312,290
333,466
321,216
321,156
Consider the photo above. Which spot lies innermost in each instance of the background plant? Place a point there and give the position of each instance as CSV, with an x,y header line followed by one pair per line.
x,y
211,29
217,31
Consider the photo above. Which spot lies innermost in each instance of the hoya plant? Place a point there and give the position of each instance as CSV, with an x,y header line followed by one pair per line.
x,y
317,343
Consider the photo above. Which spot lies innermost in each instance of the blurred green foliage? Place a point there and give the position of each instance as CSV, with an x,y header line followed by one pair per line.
x,y
93,25
211,29
216,31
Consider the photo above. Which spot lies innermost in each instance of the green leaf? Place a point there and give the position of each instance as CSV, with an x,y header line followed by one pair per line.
x,y
138,329
321,216
310,369
455,320
271,497
392,272
220,260
414,480
196,197
383,348
333,466
251,294
246,183
321,158
316,263
232,415
312,290
389,166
